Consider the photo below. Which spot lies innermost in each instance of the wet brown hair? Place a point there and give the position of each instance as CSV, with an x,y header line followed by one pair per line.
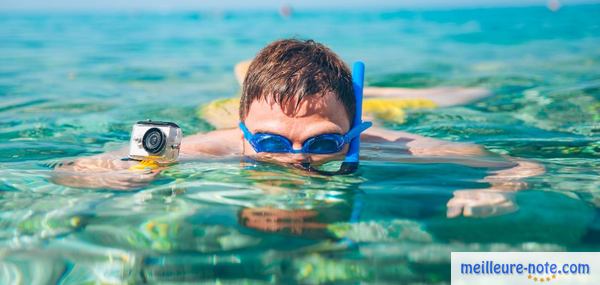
x,y
292,69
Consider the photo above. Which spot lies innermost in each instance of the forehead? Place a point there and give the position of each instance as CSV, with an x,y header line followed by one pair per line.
x,y
322,109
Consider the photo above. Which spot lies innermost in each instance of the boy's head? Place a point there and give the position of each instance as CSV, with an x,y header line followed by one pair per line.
x,y
290,70
297,89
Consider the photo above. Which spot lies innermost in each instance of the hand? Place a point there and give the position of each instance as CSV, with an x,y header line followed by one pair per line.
x,y
499,198
116,180
480,203
105,171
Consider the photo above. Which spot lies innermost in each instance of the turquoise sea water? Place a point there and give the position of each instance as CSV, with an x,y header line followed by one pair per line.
x,y
72,84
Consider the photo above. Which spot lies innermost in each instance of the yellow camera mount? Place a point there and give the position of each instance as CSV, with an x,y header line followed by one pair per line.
x,y
149,163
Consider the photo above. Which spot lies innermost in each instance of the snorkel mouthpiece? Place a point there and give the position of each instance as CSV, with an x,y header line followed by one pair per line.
x,y
351,161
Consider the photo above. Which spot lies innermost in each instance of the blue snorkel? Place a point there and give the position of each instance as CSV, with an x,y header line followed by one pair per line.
x,y
358,78
351,161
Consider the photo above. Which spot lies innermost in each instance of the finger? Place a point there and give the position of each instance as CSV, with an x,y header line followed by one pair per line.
x,y
454,207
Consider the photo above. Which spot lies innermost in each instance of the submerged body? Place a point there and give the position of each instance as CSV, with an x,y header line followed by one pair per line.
x,y
111,171
299,90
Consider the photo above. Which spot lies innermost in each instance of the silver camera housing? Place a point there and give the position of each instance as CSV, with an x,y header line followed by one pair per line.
x,y
155,140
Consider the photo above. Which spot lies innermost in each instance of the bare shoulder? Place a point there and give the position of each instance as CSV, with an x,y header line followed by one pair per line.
x,y
214,143
424,146
378,133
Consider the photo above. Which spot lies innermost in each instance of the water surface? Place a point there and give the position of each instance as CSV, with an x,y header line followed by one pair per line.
x,y
72,84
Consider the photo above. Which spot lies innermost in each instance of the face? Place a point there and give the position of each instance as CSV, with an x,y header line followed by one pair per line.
x,y
314,116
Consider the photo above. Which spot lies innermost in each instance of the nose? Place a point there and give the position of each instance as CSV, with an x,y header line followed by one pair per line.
x,y
298,158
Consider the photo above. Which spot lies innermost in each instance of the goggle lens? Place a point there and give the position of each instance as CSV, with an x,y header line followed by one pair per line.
x,y
324,144
271,143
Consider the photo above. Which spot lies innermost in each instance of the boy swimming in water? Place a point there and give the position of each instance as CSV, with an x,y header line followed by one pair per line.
x,y
300,91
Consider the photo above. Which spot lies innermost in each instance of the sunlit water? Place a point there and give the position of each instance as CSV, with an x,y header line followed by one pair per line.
x,y
71,85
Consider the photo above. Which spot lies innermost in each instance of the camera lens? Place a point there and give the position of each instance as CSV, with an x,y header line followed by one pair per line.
x,y
154,141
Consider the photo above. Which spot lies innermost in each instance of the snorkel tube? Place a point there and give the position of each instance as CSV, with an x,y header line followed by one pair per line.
x,y
351,161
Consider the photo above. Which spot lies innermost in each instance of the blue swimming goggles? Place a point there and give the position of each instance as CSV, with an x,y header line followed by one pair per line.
x,y
321,144
325,143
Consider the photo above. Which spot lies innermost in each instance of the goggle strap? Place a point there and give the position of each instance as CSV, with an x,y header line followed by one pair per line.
x,y
354,132
247,134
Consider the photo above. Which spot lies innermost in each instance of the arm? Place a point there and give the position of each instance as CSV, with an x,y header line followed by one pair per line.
x,y
103,171
420,146
110,171
430,149
509,178
495,200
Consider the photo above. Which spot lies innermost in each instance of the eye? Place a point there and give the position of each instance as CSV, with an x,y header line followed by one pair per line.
x,y
273,143
324,144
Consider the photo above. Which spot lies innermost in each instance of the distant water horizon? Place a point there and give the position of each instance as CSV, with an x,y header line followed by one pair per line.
x,y
310,6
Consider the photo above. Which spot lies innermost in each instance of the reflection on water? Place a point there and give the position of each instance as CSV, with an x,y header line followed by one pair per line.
x,y
70,88
264,223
